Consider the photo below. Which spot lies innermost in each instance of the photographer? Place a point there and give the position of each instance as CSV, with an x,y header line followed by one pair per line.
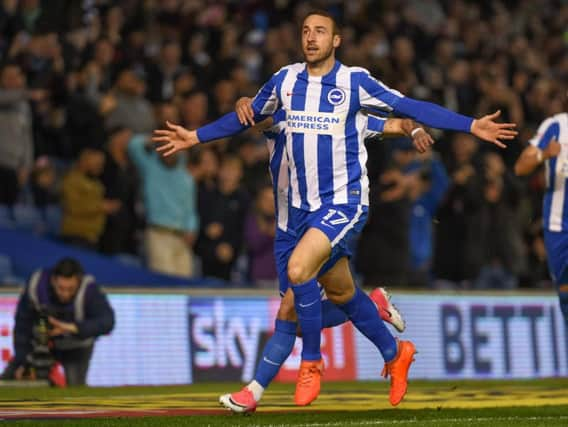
x,y
59,316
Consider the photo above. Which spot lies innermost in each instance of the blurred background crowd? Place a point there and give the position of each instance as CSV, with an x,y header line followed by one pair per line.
x,y
84,83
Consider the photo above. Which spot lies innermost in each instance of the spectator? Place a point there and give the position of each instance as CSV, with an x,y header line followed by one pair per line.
x,y
194,108
469,56
120,180
84,206
383,249
203,165
254,157
427,192
163,74
171,208
64,306
221,236
43,183
260,229
449,255
493,254
16,143
131,109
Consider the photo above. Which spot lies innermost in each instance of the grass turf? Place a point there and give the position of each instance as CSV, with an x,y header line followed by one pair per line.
x,y
496,404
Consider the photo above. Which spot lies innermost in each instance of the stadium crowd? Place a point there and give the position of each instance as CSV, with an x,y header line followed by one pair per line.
x,y
84,83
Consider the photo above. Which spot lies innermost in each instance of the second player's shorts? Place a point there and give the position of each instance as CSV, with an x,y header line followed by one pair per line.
x,y
556,243
340,223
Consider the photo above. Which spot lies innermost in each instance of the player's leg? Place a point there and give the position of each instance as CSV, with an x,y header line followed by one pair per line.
x,y
356,304
306,260
556,244
275,352
362,312
280,345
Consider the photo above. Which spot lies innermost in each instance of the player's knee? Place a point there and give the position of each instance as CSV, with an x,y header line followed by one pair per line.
x,y
338,292
341,295
297,273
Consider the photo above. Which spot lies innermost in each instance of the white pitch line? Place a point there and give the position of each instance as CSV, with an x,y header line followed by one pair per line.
x,y
435,421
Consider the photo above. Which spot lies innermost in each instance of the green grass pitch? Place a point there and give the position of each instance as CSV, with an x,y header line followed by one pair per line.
x,y
428,403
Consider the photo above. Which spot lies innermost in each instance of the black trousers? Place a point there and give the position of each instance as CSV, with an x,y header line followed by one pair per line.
x,y
75,364
9,186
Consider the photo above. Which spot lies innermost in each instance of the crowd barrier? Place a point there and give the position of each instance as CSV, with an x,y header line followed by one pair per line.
x,y
180,338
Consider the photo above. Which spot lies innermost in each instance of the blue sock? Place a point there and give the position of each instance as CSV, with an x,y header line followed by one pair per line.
x,y
276,351
363,313
307,300
563,299
331,315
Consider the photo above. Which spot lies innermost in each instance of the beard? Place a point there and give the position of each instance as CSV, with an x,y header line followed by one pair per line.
x,y
324,55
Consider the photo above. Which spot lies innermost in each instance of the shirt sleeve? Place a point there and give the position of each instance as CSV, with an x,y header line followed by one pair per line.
x,y
547,131
374,94
264,104
375,126
267,101
99,315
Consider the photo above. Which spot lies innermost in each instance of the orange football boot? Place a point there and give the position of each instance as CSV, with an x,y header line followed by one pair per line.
x,y
309,379
398,370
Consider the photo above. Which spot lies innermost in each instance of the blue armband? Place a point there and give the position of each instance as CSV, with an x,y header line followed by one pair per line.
x,y
433,115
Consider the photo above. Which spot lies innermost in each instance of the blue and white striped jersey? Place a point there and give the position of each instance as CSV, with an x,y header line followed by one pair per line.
x,y
555,204
276,142
325,129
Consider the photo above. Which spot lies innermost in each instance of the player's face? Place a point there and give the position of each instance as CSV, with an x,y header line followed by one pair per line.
x,y
318,41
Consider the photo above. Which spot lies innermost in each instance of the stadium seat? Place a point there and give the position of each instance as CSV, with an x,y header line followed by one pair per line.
x,y
6,219
128,259
52,216
29,218
5,268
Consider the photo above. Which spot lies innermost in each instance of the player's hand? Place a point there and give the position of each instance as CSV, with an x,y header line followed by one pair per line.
x,y
174,139
244,111
61,328
489,130
551,150
422,140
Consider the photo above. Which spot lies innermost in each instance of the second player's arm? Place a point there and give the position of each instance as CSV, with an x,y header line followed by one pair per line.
x,y
533,156
407,127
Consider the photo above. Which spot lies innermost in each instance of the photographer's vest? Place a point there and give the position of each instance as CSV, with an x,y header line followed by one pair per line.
x,y
38,291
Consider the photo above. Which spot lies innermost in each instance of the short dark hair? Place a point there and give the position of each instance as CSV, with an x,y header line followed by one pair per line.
x,y
68,267
321,12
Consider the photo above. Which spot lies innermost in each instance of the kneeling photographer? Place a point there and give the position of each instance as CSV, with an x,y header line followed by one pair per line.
x,y
60,314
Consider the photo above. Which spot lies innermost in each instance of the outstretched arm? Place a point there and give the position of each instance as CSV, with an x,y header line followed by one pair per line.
x,y
176,138
433,115
375,95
